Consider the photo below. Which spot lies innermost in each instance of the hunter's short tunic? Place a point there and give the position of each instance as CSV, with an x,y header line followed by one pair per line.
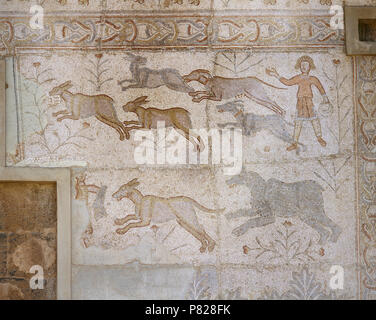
x,y
304,106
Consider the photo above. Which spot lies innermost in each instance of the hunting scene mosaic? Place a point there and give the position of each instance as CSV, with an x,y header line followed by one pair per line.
x,y
218,149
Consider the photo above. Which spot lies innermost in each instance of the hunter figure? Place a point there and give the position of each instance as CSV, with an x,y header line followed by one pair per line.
x,y
304,106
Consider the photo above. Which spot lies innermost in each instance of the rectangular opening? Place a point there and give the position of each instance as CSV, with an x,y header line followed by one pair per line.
x,y
367,30
28,237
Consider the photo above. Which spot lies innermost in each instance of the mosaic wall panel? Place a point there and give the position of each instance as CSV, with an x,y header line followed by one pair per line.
x,y
262,182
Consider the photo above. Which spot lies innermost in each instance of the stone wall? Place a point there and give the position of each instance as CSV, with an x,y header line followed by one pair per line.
x,y
28,238
257,218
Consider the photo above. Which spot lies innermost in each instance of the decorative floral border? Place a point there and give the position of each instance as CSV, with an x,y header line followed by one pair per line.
x,y
366,172
169,31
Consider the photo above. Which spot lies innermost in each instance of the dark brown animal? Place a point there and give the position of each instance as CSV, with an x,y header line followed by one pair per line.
x,y
152,78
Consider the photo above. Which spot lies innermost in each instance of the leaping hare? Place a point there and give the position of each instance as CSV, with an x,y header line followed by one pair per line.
x,y
150,78
82,106
178,118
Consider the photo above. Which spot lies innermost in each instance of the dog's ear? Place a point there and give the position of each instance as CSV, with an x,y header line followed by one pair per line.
x,y
141,100
133,183
203,76
129,55
203,79
67,85
204,72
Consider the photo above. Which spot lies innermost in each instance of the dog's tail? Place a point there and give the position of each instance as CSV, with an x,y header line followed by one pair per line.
x,y
202,208
270,85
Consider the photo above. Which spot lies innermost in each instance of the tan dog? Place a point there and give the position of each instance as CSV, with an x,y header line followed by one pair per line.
x,y
153,209
148,118
219,88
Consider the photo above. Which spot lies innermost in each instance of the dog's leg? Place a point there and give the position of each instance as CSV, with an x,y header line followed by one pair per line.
x,y
196,93
145,216
134,127
119,124
131,122
286,137
55,114
198,235
211,97
268,104
131,86
240,213
327,222
142,223
178,85
120,82
281,134
314,224
253,223
69,116
185,133
211,242
129,217
116,126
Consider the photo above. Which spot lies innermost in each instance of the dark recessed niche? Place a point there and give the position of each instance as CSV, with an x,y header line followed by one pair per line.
x,y
367,30
360,30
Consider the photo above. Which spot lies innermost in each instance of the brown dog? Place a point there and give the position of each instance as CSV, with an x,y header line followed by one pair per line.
x,y
153,209
220,88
